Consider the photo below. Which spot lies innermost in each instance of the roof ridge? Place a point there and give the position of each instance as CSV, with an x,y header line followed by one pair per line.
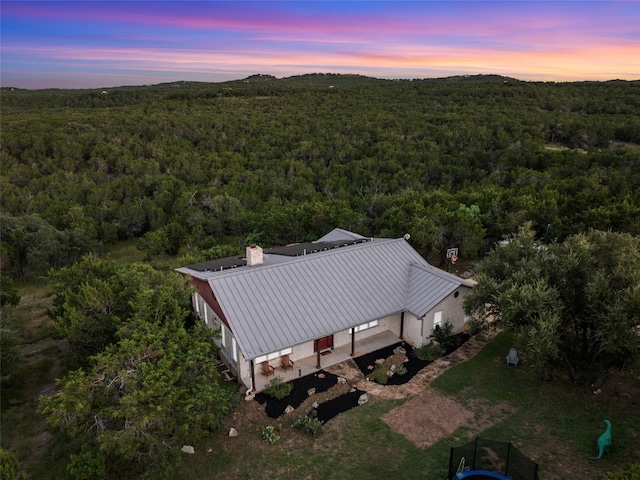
x,y
245,269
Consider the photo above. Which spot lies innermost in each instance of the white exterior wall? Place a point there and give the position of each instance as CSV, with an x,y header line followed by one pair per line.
x,y
451,308
238,365
412,330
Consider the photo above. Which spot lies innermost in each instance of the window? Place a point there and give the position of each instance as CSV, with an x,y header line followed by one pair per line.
x,y
196,303
437,319
234,349
222,336
206,317
364,326
272,355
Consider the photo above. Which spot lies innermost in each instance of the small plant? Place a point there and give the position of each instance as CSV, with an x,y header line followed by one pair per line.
x,y
269,434
443,334
278,388
379,374
429,353
87,465
400,369
309,424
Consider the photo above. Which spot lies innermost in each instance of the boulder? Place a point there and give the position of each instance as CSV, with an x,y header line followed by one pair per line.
x,y
311,391
289,409
233,432
364,398
188,449
399,351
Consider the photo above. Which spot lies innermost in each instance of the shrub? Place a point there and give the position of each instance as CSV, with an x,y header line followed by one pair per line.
x,y
8,465
269,434
400,369
632,474
278,388
443,334
311,425
429,353
87,465
379,375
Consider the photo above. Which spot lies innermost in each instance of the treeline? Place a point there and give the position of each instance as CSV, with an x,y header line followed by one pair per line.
x,y
453,163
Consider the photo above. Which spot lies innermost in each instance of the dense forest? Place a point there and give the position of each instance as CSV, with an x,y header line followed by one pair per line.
x,y
457,162
202,169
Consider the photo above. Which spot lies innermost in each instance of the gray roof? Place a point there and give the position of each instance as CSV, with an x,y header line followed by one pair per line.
x,y
286,302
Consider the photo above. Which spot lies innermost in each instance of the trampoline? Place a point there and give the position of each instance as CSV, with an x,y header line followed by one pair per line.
x,y
480,475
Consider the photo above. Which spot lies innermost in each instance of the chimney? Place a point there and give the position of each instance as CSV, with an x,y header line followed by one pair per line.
x,y
254,255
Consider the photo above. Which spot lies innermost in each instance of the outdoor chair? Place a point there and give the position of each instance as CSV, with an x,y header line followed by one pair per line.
x,y
512,358
267,369
287,363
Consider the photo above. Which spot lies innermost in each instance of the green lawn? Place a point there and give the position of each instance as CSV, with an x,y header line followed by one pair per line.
x,y
556,423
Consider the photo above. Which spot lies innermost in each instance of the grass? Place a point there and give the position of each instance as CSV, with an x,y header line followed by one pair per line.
x,y
556,423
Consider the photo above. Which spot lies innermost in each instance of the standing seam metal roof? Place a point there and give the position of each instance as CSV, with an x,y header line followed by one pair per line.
x,y
279,304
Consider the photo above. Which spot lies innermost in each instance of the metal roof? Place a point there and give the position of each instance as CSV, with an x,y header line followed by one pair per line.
x,y
284,303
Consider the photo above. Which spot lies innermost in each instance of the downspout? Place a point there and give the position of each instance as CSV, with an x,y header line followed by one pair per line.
x,y
318,366
353,342
421,331
402,325
252,373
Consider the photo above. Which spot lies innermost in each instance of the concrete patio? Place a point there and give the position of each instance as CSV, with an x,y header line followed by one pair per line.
x,y
308,365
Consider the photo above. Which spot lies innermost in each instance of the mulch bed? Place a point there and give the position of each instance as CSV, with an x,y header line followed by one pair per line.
x,y
413,366
275,408
329,409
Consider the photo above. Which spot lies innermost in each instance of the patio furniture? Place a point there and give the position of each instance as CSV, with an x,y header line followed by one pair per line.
x,y
512,358
287,363
267,369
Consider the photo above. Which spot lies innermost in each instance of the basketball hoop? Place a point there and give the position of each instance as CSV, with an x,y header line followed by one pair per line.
x,y
453,259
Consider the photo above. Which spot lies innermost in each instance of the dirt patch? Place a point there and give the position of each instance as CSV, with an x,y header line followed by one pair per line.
x,y
427,418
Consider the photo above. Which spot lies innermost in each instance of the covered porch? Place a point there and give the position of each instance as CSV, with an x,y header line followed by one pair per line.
x,y
308,365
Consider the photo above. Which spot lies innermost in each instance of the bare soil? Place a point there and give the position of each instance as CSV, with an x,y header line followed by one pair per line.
x,y
427,418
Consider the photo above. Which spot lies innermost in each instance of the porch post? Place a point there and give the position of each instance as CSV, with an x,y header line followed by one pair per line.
x,y
318,366
253,375
353,342
402,325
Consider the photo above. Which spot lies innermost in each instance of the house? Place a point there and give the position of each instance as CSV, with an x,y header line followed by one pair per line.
x,y
343,295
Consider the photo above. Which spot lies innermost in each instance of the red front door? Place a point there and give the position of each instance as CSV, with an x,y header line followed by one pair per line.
x,y
323,343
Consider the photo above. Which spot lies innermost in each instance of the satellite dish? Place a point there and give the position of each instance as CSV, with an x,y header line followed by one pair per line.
x,y
407,236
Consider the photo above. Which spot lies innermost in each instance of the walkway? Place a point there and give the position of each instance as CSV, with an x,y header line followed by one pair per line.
x,y
419,382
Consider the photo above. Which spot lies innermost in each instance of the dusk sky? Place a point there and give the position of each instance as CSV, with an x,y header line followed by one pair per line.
x,y
100,44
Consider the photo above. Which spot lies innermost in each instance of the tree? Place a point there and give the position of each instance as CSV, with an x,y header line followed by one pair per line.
x,y
8,292
150,390
575,302
11,335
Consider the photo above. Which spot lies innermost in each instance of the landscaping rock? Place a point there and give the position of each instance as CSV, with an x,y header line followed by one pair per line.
x,y
399,351
311,391
233,432
364,398
288,410
188,449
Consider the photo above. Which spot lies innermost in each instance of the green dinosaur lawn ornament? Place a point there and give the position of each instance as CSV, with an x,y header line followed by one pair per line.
x,y
604,442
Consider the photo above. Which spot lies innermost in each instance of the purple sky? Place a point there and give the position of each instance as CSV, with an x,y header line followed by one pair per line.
x,y
95,44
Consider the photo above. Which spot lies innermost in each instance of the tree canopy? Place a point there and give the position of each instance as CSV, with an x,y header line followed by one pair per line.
x,y
150,385
574,303
287,160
